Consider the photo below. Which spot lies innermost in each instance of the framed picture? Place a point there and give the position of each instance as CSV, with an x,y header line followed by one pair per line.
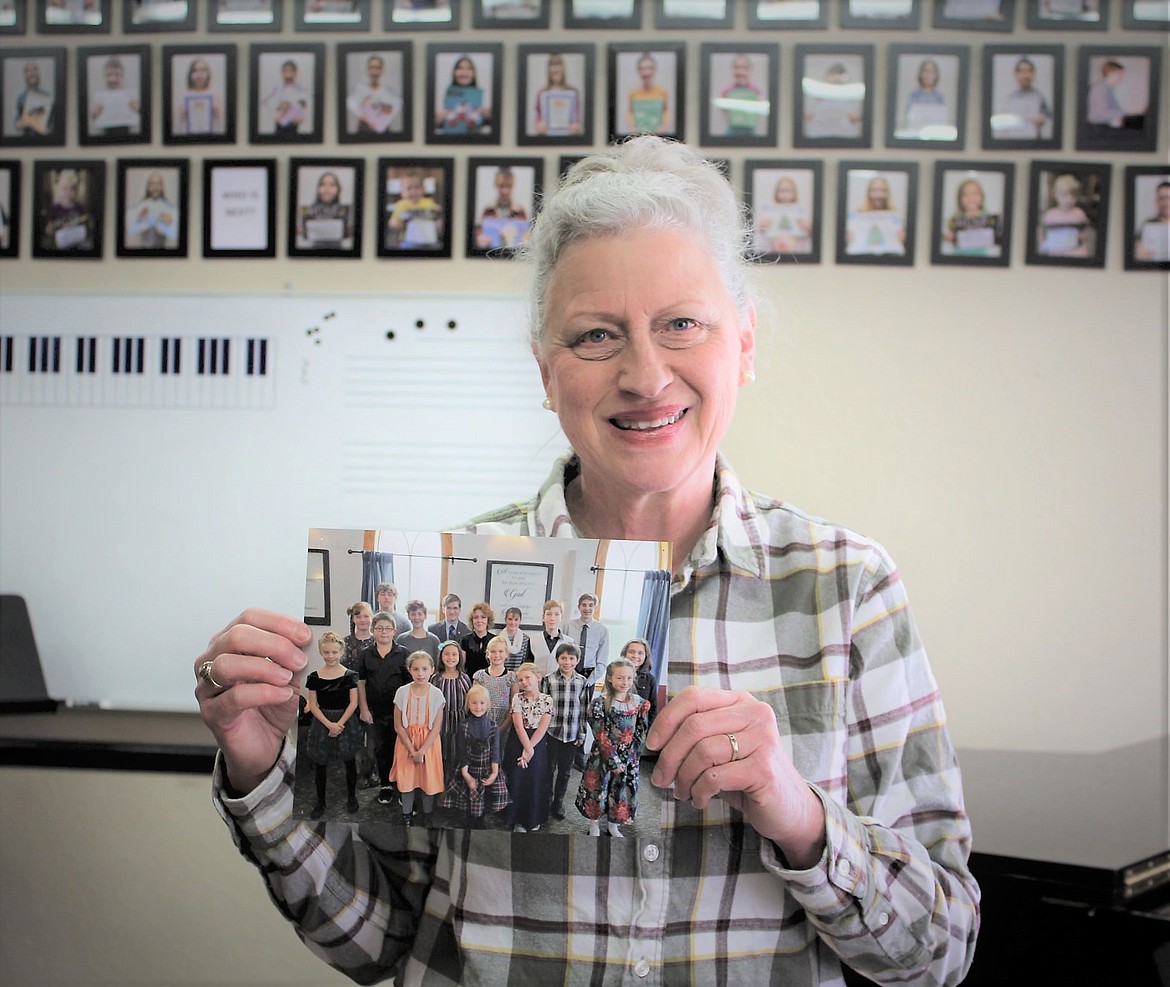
x,y
1147,217
114,104
332,15
373,86
1067,15
245,15
876,206
152,207
893,15
1023,96
784,198
647,89
414,207
742,83
503,193
927,96
33,84
804,15
972,214
975,15
325,207
140,16
833,89
239,207
13,18
464,83
591,15
286,92
1141,15
524,585
509,13
73,16
555,95
68,209
1117,98
671,15
407,15
1067,212
9,208
199,86
317,604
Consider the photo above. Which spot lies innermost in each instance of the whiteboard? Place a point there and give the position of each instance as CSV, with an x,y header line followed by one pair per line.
x,y
136,524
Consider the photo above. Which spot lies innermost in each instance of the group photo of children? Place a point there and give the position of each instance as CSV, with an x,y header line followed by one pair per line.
x,y
468,681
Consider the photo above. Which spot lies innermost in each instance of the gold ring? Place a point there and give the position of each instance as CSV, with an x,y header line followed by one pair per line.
x,y
205,671
734,746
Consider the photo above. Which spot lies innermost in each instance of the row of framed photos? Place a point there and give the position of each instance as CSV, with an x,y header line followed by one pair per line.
x,y
876,209
96,16
832,94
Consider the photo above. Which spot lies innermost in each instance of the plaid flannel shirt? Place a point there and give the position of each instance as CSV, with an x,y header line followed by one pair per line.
x,y
808,617
569,701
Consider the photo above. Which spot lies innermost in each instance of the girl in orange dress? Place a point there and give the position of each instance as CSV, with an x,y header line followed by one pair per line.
x,y
418,721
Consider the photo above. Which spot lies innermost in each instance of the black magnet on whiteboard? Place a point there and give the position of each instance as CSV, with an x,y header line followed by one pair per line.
x,y
450,323
419,324
389,333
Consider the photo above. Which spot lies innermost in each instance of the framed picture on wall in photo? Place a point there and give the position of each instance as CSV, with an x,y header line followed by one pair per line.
x,y
33,83
503,194
9,208
926,103
975,15
73,16
325,207
972,214
245,15
804,15
407,15
1141,15
68,209
114,95
1117,98
1068,209
152,207
141,16
784,199
555,101
1067,15
286,91
488,14
332,15
1147,218
199,86
881,15
464,85
13,16
592,15
671,15
833,96
647,89
876,209
414,207
239,207
373,104
741,83
1023,97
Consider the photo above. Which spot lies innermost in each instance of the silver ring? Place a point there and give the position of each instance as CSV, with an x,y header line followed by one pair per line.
x,y
734,746
205,673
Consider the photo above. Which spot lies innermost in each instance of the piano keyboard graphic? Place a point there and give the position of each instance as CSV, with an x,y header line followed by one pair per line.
x,y
138,371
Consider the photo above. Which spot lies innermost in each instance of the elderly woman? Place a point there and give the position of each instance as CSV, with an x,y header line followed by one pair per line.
x,y
817,813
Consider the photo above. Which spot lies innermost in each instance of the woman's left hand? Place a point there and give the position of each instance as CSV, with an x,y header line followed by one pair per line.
x,y
693,734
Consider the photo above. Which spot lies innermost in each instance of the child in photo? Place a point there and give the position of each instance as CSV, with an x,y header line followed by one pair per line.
x,y
637,653
620,719
1065,226
335,735
499,682
68,224
743,120
453,683
648,105
543,646
972,230
783,225
516,639
415,221
570,693
418,720
477,785
462,111
526,753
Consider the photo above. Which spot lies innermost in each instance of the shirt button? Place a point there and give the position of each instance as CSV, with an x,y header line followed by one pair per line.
x,y
843,867
642,968
884,918
650,853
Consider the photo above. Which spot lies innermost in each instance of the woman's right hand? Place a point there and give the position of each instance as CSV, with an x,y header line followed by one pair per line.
x,y
257,664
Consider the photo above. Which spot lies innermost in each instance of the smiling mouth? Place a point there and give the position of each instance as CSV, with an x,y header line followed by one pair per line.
x,y
648,426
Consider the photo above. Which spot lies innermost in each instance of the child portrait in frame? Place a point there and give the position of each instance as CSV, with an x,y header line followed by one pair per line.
x,y
646,90
68,208
159,15
152,208
33,81
1147,218
800,14
670,15
325,197
115,95
372,103
503,193
1117,98
463,87
556,88
1067,213
972,214
880,14
245,15
975,15
199,85
490,14
73,16
875,213
785,202
332,15
928,102
603,14
429,15
13,18
833,89
9,208
741,85
414,207
1068,15
1023,98
286,90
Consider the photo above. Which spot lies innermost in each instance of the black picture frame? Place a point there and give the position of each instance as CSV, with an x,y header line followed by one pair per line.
x,y
486,15
555,115
667,17
933,115
10,203
420,231
1068,213
627,113
332,18
286,93
1147,218
318,608
524,584
199,94
251,16
1118,109
152,202
869,235
730,75
381,113
147,17
1062,15
68,226
972,213
320,226
14,18
1134,15
975,15
496,236
116,109
94,18
239,207
33,87
875,15
1023,97
778,15
832,107
400,15
784,197
464,112
586,15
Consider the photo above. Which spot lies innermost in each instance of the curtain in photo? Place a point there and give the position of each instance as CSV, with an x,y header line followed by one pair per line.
x,y
377,567
654,615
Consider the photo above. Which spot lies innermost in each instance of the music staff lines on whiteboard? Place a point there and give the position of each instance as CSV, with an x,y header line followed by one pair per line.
x,y
207,372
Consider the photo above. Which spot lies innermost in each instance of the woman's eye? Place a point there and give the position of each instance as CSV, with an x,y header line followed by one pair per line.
x,y
681,324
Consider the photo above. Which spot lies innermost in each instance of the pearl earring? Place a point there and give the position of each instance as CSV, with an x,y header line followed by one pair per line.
x,y
748,377
546,404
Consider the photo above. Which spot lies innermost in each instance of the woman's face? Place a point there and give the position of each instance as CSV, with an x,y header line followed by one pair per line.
x,y
327,188
361,622
641,358
635,654
479,622
464,73
971,198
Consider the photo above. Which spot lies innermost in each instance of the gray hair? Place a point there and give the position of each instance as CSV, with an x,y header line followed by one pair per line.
x,y
645,183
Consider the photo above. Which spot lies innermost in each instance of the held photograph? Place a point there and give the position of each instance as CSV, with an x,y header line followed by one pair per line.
x,y
647,89
927,102
1023,97
741,83
464,85
152,207
114,95
833,96
1067,213
68,209
1117,98
972,214
325,207
414,207
784,198
33,84
504,193
286,93
556,95
199,85
876,207
372,90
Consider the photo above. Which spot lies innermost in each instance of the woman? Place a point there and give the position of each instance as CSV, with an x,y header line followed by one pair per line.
x,y
326,223
475,644
823,818
926,107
